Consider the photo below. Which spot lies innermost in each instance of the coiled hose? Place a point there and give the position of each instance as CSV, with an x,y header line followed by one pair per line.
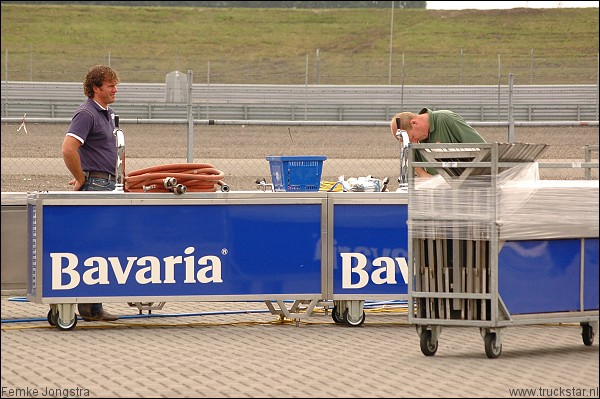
x,y
177,178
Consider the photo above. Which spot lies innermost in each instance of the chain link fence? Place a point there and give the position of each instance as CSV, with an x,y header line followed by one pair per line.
x,y
32,160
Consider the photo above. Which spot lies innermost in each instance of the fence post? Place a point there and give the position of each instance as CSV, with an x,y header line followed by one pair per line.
x,y
597,83
511,119
208,90
318,61
499,86
190,118
306,89
461,67
391,37
531,68
402,86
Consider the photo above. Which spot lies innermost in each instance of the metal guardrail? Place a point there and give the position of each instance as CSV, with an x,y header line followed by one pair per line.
x,y
312,102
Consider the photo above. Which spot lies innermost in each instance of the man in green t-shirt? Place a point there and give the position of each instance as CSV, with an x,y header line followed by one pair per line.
x,y
434,127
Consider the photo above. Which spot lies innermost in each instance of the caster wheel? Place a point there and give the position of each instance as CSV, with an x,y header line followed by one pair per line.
x,y
491,349
428,348
351,322
52,318
65,327
587,333
336,316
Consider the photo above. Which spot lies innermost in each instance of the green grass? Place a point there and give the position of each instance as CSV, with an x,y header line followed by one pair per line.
x,y
538,46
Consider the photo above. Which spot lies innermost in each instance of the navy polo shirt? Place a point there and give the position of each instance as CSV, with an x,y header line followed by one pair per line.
x,y
94,126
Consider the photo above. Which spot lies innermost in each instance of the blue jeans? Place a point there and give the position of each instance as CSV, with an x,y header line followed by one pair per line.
x,y
97,184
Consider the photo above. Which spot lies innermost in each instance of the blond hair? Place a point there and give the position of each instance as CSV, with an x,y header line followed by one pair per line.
x,y
405,118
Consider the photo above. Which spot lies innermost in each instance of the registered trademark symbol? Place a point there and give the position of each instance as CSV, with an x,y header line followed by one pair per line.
x,y
224,251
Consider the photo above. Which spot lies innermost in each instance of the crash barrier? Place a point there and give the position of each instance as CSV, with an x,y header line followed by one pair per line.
x,y
495,246
312,102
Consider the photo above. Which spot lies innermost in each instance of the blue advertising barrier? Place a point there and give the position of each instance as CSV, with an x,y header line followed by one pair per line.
x,y
133,247
368,242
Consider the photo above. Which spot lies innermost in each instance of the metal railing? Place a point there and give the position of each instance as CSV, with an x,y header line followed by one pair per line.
x,y
312,102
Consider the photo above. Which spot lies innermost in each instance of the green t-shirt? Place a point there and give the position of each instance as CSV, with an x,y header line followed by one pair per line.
x,y
448,127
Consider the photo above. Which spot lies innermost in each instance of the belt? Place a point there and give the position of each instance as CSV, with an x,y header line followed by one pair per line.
x,y
99,175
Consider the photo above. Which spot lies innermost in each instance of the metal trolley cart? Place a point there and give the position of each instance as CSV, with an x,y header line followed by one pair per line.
x,y
491,245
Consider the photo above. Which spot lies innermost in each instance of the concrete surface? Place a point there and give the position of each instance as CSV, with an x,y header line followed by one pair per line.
x,y
239,349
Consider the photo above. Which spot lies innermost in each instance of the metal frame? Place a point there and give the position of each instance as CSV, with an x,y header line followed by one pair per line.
x,y
432,302
351,305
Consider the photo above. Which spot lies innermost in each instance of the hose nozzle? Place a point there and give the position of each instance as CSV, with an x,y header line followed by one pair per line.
x,y
169,182
179,189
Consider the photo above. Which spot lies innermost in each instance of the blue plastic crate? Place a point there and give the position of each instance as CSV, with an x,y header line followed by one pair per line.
x,y
296,173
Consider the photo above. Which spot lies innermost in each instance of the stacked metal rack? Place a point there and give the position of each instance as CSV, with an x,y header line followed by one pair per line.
x,y
492,245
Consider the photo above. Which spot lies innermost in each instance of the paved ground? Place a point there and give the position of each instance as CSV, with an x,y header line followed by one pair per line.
x,y
212,349
229,349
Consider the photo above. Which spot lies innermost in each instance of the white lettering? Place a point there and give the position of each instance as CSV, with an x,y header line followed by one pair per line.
x,y
154,270
170,262
386,273
121,274
97,270
384,270
99,266
347,270
189,265
214,266
58,271
403,268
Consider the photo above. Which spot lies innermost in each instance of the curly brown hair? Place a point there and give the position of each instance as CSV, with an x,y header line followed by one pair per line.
x,y
96,76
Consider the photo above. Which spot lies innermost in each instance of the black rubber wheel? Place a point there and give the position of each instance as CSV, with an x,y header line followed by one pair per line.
x,y
587,333
428,348
336,316
492,350
51,318
353,323
65,327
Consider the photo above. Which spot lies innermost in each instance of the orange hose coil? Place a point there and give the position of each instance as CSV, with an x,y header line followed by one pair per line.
x,y
194,176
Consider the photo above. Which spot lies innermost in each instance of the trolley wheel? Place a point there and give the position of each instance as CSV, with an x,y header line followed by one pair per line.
x,y
52,318
353,323
491,349
66,327
587,333
336,316
428,348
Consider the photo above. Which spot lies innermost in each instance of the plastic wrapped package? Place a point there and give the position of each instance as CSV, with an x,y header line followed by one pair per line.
x,y
518,204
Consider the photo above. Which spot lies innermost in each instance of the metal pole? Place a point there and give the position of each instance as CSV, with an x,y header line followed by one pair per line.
x,y
402,86
318,61
499,77
30,63
6,66
391,37
531,68
306,89
511,119
208,90
461,66
190,117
